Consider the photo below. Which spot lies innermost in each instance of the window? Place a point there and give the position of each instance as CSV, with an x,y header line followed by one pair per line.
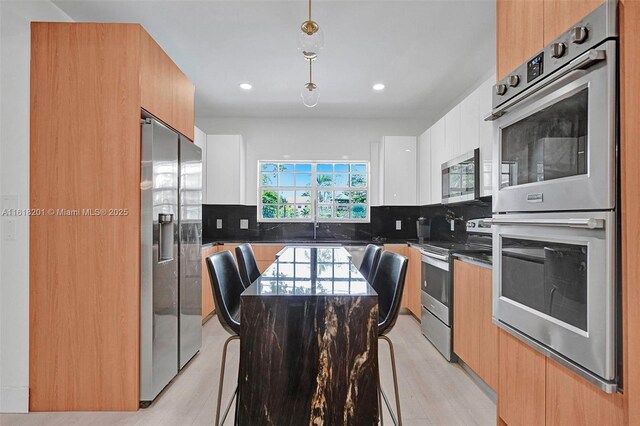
x,y
304,191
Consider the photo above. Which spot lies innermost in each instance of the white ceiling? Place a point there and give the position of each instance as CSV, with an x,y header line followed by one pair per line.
x,y
427,53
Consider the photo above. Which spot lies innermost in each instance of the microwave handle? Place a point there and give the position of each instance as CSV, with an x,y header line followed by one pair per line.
x,y
586,223
582,62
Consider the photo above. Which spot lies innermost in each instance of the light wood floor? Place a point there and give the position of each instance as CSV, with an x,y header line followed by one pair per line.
x,y
432,391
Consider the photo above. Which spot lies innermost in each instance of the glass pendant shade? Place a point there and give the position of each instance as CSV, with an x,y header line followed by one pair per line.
x,y
310,95
310,44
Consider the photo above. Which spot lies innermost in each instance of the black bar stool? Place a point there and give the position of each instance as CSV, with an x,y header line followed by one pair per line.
x,y
388,282
370,261
226,285
247,264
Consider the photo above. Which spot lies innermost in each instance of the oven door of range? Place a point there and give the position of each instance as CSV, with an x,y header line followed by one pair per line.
x,y
555,145
436,286
554,281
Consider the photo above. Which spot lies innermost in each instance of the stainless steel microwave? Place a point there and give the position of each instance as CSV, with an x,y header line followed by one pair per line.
x,y
461,178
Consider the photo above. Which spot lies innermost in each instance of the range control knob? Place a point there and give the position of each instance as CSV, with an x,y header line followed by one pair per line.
x,y
501,89
579,35
513,80
557,50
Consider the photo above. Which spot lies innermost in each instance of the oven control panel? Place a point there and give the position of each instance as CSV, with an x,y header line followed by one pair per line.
x,y
593,30
535,67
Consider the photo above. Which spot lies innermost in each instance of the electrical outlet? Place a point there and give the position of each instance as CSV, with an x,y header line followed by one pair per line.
x,y
218,223
244,223
398,225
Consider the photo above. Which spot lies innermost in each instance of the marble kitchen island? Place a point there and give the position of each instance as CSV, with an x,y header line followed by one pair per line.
x,y
308,347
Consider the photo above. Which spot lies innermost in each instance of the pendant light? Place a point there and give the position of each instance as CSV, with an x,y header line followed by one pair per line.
x,y
310,38
310,93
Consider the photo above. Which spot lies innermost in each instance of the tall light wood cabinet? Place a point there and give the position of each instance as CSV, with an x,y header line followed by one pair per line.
x,y
559,15
569,399
89,83
519,33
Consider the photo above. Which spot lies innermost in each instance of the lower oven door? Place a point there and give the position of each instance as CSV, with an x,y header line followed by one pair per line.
x,y
554,280
436,287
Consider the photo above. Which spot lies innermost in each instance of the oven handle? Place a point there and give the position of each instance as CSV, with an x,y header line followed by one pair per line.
x,y
582,62
586,223
442,257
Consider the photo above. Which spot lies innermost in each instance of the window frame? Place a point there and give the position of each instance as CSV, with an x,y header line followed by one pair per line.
x,y
314,189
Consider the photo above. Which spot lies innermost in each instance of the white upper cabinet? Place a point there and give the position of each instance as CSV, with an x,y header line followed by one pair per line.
x,y
438,152
486,136
200,140
398,170
452,134
469,123
424,168
225,165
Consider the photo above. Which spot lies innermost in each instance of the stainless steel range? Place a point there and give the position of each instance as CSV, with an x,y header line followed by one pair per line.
x,y
555,218
437,282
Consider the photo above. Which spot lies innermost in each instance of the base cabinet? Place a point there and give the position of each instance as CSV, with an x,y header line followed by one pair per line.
x,y
411,293
208,306
265,255
521,383
535,390
475,338
570,400
412,284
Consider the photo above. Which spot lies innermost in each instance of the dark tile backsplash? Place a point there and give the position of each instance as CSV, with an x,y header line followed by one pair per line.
x,y
381,228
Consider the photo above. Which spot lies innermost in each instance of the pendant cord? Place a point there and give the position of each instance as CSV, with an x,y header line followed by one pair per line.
x,y
309,9
310,77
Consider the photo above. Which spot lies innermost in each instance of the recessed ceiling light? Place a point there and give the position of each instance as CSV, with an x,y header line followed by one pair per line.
x,y
407,150
378,86
245,86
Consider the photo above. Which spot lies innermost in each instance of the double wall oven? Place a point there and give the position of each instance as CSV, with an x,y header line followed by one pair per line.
x,y
555,227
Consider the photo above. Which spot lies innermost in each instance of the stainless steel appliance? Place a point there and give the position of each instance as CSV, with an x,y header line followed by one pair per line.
x,y
461,178
170,259
556,123
437,283
555,218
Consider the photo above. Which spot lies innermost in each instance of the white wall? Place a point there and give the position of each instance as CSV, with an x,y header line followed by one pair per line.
x,y
15,19
308,139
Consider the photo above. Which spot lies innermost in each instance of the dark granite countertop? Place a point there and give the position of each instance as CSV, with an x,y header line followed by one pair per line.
x,y
484,258
307,271
209,243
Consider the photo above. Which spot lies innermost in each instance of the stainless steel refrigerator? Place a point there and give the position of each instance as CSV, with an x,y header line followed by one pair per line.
x,y
170,256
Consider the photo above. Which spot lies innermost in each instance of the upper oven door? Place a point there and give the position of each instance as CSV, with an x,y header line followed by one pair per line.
x,y
554,280
555,145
